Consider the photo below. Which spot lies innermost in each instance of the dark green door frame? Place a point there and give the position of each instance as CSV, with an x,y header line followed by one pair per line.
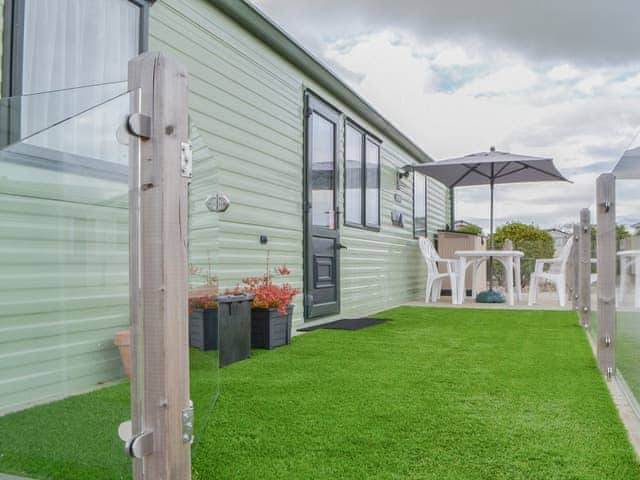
x,y
321,232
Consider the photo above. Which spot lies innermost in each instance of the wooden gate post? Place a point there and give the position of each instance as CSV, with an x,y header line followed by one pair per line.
x,y
583,287
605,203
160,171
574,281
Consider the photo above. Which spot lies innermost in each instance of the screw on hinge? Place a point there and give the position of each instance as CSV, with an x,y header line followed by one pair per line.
x,y
586,326
585,309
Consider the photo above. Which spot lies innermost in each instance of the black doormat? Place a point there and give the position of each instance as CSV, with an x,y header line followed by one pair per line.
x,y
346,324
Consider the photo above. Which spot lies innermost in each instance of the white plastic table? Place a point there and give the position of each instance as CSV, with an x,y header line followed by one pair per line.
x,y
509,258
628,258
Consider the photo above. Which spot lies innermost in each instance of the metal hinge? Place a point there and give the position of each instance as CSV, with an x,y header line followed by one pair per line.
x,y
187,424
607,341
609,373
139,125
186,159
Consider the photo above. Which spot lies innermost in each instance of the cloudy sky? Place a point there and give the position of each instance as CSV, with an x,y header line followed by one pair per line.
x,y
549,78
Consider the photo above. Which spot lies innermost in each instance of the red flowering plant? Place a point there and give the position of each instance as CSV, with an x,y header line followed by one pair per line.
x,y
266,293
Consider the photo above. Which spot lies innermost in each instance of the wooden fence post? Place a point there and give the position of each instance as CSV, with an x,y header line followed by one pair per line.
x,y
583,286
606,238
159,171
574,272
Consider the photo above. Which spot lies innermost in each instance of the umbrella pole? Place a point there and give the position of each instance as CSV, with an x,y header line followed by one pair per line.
x,y
491,235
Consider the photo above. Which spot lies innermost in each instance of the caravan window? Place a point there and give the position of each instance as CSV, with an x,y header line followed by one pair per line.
x,y
64,44
419,205
362,178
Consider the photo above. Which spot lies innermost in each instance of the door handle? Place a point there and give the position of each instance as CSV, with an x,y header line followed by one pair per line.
x,y
341,246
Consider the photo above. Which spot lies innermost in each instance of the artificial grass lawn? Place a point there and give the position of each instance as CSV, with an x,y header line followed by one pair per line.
x,y
434,393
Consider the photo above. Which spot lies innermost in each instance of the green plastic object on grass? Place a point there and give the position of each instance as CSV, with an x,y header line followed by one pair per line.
x,y
490,296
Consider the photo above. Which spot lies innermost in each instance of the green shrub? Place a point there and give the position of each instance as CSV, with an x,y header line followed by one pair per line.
x,y
530,239
470,228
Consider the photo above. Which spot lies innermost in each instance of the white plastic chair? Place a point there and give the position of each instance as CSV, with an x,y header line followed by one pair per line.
x,y
433,289
557,274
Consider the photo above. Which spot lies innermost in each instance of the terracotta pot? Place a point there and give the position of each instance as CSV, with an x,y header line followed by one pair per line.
x,y
123,341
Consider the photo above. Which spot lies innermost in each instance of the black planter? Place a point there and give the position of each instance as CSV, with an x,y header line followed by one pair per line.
x,y
203,329
228,326
270,328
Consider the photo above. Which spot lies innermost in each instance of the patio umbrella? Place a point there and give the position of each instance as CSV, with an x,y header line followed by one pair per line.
x,y
491,168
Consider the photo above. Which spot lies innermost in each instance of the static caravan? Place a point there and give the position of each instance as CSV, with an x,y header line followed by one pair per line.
x,y
314,174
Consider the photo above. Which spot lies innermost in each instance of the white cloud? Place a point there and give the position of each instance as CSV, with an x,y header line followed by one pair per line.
x,y
454,55
504,81
574,31
591,83
563,72
461,87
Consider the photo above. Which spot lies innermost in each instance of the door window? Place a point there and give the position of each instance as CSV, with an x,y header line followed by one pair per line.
x,y
323,171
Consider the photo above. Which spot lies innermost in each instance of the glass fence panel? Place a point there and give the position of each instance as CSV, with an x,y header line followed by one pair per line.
x,y
64,289
627,271
204,311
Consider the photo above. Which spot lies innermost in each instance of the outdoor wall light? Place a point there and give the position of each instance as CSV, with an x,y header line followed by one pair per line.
x,y
401,174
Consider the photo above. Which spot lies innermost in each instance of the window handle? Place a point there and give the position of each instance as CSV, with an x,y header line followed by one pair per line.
x,y
341,246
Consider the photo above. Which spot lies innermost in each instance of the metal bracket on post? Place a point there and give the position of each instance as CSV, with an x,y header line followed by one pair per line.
x,y
140,446
139,125
136,446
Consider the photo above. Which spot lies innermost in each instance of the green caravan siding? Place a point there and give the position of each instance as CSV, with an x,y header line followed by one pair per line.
x,y
63,289
247,104
438,207
248,111
63,281
382,269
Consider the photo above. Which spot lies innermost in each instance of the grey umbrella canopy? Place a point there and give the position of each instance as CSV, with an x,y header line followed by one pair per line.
x,y
491,168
